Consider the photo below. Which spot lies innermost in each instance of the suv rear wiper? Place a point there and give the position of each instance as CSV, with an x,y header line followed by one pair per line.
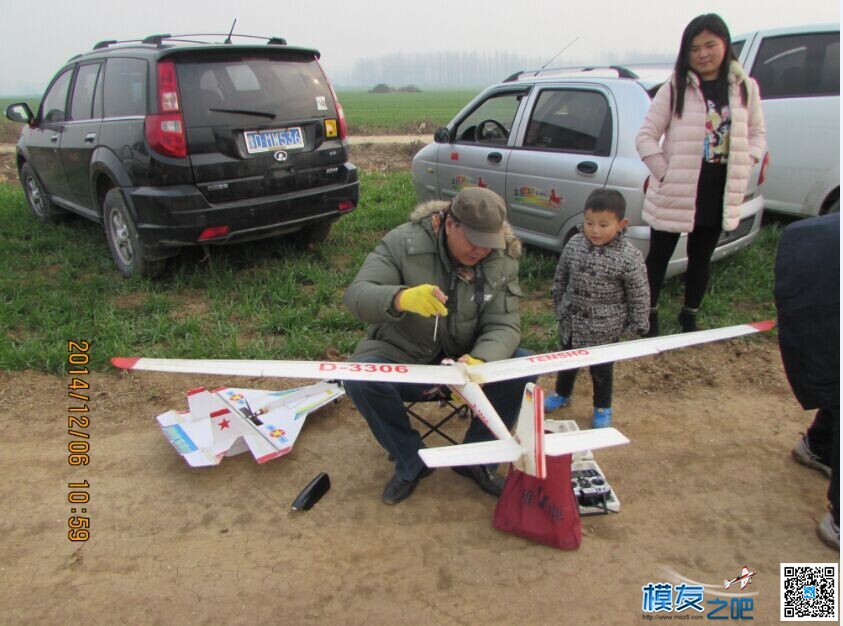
x,y
244,112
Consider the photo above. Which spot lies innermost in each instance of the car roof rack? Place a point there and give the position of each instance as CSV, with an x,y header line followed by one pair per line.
x,y
159,40
622,71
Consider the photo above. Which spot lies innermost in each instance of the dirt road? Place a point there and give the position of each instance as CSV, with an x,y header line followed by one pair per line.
x,y
706,486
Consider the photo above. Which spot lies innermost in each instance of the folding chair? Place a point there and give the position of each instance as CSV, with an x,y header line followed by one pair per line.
x,y
444,401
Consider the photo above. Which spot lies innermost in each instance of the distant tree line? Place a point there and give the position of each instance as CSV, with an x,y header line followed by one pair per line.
x,y
472,69
436,69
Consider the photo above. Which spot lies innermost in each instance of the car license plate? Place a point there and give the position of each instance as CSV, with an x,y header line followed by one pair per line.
x,y
268,140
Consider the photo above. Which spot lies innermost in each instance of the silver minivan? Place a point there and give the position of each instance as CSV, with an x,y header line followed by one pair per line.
x,y
798,72
544,140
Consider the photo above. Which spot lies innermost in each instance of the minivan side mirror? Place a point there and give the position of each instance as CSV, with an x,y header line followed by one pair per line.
x,y
19,112
442,135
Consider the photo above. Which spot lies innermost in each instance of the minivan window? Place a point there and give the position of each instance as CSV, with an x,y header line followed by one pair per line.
x,y
82,102
737,47
570,120
53,108
491,122
798,66
125,87
229,90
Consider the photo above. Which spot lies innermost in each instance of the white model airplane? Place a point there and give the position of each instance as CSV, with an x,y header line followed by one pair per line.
x,y
528,448
228,421
745,578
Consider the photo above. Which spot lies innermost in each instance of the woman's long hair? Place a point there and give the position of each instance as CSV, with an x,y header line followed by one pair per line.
x,y
714,24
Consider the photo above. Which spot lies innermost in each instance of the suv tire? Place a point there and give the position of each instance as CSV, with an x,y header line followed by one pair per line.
x,y
123,240
37,199
315,233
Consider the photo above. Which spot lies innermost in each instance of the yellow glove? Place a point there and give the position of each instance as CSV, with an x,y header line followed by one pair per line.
x,y
470,360
425,300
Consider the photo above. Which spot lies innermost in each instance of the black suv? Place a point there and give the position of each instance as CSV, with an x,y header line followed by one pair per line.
x,y
171,142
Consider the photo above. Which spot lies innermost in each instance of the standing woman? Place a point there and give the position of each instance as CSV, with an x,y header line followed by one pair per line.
x,y
709,114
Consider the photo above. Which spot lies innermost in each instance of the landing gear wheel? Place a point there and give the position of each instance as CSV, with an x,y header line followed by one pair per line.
x,y
37,199
123,239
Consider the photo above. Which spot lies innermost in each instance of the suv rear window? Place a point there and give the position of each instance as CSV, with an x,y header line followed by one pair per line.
x,y
125,87
227,89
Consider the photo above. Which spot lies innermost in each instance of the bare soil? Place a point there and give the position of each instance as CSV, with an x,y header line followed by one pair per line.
x,y
706,486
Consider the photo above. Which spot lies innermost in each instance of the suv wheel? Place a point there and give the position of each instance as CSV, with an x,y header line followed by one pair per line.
x,y
315,233
123,239
37,199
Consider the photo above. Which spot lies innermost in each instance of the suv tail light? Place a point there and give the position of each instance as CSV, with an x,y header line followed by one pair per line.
x,y
343,134
341,118
165,130
764,165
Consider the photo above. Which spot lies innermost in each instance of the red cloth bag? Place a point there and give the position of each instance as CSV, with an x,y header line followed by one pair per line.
x,y
546,510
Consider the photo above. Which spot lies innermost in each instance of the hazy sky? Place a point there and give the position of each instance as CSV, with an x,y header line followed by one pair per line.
x,y
37,37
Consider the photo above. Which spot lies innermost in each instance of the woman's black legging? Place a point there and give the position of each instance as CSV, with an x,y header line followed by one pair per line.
x,y
701,243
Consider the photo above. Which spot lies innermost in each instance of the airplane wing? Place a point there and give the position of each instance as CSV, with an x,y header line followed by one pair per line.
x,y
745,582
456,374
319,370
570,359
578,440
483,453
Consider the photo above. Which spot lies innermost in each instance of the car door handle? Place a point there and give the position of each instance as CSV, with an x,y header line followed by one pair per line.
x,y
54,139
587,167
89,138
495,157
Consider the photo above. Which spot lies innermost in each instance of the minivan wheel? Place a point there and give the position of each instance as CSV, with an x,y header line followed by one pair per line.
x,y
123,239
834,207
37,199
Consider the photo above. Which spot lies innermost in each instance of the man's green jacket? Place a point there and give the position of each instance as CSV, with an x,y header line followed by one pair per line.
x,y
483,318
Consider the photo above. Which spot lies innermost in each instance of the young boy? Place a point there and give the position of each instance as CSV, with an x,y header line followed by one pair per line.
x,y
599,292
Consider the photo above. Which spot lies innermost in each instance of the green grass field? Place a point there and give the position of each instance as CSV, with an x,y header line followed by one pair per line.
x,y
382,113
262,300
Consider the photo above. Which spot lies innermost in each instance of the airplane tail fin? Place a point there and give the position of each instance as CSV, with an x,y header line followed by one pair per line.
x,y
530,432
204,404
727,584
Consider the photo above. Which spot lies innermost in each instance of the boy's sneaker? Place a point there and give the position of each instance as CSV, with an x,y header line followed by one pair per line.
x,y
803,454
602,418
555,401
829,532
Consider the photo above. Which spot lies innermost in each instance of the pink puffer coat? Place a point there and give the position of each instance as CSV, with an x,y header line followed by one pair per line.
x,y
670,201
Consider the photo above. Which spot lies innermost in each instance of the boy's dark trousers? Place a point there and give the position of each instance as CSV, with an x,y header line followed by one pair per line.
x,y
602,377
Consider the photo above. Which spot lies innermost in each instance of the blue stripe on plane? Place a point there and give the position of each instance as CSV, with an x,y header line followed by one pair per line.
x,y
181,442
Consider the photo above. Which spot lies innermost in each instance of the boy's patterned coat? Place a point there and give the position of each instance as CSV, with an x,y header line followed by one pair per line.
x,y
600,292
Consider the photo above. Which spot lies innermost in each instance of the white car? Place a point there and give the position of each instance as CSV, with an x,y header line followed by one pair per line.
x,y
544,140
798,71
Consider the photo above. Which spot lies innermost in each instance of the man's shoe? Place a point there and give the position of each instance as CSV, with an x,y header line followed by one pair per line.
x,y
803,454
489,481
397,489
829,532
555,401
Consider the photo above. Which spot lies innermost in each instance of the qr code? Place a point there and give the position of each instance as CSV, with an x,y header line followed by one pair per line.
x,y
809,592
